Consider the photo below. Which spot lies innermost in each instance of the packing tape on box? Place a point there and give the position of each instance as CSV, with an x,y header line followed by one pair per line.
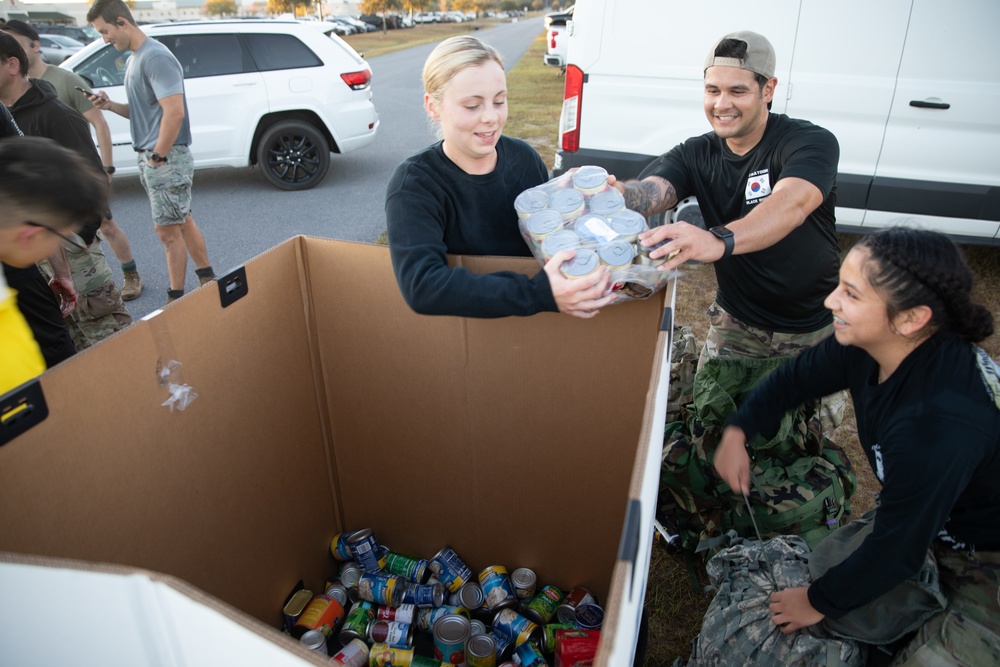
x,y
168,370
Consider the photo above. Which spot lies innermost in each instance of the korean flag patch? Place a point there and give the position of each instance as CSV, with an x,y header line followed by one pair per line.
x,y
758,186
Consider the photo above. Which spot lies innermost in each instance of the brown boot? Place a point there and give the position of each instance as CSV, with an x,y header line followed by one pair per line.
x,y
132,287
205,279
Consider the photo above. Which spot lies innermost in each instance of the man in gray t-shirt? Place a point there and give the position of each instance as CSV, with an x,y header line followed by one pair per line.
x,y
161,132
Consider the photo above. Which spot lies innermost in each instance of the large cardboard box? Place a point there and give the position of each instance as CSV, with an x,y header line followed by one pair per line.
x,y
323,405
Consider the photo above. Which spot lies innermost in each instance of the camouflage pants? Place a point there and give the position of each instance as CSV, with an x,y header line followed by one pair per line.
x,y
169,185
100,310
967,634
728,337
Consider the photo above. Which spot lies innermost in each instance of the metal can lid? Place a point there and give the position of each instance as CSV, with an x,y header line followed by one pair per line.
x,y
566,201
478,627
607,203
481,646
522,577
583,264
338,592
531,200
347,634
590,176
471,596
616,253
452,629
437,594
564,239
544,222
314,639
566,613
628,222
589,616
298,602
359,535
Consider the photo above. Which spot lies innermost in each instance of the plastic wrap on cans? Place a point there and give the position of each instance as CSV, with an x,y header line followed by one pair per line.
x,y
481,651
426,595
549,635
450,634
576,647
368,553
427,617
470,596
596,215
383,655
411,569
528,655
356,623
391,633
450,569
323,613
497,589
350,574
566,613
381,588
584,263
353,654
339,548
530,201
295,606
543,606
515,627
525,582
314,640
543,224
404,613
589,616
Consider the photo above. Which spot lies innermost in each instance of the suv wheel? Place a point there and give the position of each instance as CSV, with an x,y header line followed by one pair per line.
x,y
293,155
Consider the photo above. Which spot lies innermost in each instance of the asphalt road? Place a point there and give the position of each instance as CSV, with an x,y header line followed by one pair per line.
x,y
241,215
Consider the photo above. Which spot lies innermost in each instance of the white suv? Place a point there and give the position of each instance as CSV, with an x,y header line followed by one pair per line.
x,y
278,94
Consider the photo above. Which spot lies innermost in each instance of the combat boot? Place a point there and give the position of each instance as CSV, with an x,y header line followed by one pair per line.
x,y
132,287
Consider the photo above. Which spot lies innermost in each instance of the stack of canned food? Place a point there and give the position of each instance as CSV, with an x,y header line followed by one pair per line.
x,y
403,610
579,211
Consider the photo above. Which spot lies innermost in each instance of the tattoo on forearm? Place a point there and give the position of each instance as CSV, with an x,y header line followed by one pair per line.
x,y
648,197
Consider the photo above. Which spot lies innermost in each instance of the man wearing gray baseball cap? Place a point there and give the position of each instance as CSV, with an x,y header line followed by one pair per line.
x,y
766,185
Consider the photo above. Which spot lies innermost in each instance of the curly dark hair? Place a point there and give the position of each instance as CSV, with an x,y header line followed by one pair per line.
x,y
916,267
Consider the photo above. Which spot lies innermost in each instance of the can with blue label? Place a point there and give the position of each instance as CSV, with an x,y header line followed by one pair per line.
x,y
528,655
515,627
543,606
427,617
379,588
367,551
450,634
503,643
339,548
427,595
566,613
411,569
589,616
497,589
450,569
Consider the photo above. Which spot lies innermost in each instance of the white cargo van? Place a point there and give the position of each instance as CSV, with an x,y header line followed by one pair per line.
x,y
910,88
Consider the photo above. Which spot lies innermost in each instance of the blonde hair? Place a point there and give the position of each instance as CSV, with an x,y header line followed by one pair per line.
x,y
452,56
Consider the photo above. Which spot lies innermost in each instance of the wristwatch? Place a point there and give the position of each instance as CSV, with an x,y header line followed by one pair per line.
x,y
109,169
726,234
156,157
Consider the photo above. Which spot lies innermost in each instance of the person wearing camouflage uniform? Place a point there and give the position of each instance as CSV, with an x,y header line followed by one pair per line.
x,y
99,310
161,132
766,186
927,401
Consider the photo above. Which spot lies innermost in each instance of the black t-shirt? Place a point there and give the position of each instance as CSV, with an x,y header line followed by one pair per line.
x,y
931,433
780,288
434,208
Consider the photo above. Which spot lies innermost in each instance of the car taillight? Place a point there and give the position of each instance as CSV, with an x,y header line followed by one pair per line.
x,y
357,80
572,99
552,41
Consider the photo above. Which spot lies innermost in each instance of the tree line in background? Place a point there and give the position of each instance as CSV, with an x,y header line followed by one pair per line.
x,y
301,7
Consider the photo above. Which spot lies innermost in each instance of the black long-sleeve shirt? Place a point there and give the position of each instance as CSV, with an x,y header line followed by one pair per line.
x,y
434,208
932,435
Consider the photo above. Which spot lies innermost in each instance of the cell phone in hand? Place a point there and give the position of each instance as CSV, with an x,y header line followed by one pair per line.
x,y
84,91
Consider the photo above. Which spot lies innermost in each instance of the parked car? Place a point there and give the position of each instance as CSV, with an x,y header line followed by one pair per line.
x,y
916,148
84,34
341,28
361,26
57,48
281,95
557,37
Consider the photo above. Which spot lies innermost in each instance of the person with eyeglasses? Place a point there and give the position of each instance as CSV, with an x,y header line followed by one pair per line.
x,y
100,310
34,219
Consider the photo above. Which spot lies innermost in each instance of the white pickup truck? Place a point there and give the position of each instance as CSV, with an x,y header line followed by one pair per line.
x,y
557,37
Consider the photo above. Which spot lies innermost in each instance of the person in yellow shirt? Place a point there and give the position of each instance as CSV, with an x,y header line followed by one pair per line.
x,y
34,219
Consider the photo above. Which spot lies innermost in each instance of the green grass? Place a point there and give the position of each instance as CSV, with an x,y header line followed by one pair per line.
x,y
380,42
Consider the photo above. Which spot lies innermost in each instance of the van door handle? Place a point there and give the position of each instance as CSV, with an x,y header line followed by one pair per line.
x,y
929,105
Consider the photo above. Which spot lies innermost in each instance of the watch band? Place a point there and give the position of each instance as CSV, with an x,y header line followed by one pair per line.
x,y
726,234
109,169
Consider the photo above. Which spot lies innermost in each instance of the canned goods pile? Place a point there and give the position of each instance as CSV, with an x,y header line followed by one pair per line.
x,y
580,211
385,608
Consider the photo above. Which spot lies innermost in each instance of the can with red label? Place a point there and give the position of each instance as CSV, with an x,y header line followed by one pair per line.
x,y
367,551
575,647
323,613
404,613
381,588
497,588
354,654
391,633
426,595
411,569
450,569
524,581
339,548
515,627
543,606
427,617
383,655
576,597
450,634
